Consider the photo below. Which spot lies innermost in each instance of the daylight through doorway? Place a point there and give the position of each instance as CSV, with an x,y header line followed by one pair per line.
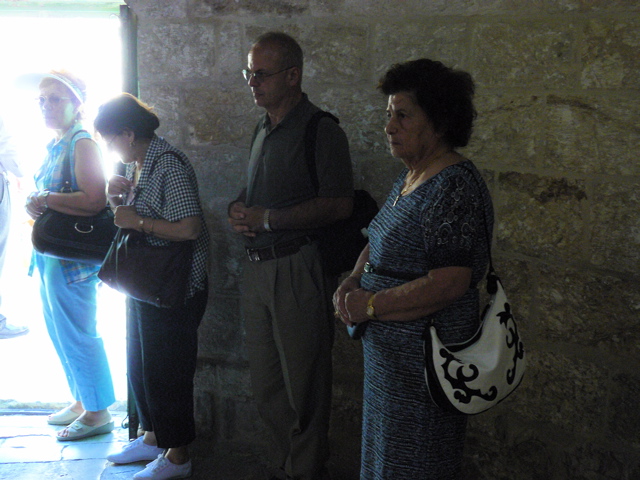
x,y
30,371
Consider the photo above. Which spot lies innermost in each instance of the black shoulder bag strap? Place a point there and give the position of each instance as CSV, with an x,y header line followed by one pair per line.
x,y
66,166
310,141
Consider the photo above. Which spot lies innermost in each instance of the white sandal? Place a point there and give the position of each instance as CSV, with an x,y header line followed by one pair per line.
x,y
65,416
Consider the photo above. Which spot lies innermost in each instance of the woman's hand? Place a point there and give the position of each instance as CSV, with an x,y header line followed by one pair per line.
x,y
118,187
356,305
349,284
36,204
125,216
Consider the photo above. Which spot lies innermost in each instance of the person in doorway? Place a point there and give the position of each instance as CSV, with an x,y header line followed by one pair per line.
x,y
68,289
427,252
159,198
286,298
8,165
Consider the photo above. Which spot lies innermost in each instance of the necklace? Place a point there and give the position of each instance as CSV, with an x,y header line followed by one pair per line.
x,y
406,189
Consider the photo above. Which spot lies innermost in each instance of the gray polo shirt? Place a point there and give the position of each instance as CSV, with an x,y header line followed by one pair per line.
x,y
278,172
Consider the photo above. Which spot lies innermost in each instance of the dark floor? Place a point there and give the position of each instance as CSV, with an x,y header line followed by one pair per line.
x,y
30,451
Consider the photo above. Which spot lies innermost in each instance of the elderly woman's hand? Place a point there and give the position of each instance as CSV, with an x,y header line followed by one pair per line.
x,y
118,186
356,305
349,285
125,216
36,204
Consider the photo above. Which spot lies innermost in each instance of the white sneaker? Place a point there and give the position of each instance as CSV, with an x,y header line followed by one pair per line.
x,y
11,331
135,451
163,469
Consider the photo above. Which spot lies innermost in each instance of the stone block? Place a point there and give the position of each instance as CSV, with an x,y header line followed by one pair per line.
x,y
158,10
333,54
217,116
166,103
589,309
570,132
446,42
222,173
361,113
617,134
214,8
532,53
615,242
231,55
609,53
488,457
222,335
565,392
176,53
541,216
623,420
595,461
505,133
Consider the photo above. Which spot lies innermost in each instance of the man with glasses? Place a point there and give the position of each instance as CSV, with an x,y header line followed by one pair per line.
x,y
8,164
286,298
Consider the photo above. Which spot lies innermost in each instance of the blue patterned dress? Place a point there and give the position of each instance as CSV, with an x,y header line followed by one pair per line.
x,y
440,224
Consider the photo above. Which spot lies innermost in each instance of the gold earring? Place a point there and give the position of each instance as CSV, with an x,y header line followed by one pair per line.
x,y
132,144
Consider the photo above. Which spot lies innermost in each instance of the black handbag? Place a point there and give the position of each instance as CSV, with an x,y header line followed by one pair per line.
x,y
70,237
73,237
151,274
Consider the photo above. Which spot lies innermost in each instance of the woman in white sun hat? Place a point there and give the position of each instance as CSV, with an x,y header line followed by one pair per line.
x,y
68,289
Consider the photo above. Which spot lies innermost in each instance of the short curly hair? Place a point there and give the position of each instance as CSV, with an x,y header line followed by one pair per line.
x,y
444,94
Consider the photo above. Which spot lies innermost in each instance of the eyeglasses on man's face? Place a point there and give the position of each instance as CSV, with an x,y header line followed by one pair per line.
x,y
54,100
260,76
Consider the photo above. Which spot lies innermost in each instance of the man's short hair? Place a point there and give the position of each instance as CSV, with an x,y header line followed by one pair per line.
x,y
290,52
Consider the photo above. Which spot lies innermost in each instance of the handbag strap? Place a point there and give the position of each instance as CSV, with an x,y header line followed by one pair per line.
x,y
492,276
66,165
137,190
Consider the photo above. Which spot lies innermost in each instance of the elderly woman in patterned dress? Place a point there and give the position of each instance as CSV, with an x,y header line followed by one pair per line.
x,y
427,251
159,198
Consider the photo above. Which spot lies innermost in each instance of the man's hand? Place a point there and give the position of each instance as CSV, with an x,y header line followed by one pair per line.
x,y
247,221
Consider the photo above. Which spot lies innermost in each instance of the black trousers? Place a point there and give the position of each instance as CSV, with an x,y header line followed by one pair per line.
x,y
162,349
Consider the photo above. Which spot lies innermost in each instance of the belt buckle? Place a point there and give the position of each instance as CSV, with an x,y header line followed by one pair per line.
x,y
254,255
368,268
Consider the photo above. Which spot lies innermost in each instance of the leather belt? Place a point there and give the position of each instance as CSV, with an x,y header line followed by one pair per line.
x,y
277,250
368,268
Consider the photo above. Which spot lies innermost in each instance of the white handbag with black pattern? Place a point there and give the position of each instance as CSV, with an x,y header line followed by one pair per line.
x,y
475,375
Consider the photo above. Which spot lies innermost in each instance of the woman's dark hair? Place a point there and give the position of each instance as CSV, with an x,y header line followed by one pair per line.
x,y
444,94
126,112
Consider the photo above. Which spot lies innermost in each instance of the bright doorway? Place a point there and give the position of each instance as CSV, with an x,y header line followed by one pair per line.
x,y
89,46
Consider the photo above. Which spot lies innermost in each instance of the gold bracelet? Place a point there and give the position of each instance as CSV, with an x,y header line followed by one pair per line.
x,y
141,225
153,222
371,312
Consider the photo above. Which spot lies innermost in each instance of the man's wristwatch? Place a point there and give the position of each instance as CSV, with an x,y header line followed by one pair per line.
x,y
371,311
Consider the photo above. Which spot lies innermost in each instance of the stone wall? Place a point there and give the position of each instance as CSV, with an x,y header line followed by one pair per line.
x,y
557,137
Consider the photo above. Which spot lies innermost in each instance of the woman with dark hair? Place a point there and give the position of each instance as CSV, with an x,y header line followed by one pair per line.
x,y
159,198
427,251
68,289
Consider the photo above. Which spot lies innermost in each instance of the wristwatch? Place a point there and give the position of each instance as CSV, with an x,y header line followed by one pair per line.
x,y
371,312
44,196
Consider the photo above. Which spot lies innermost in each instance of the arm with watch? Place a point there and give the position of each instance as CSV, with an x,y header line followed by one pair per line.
x,y
409,301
